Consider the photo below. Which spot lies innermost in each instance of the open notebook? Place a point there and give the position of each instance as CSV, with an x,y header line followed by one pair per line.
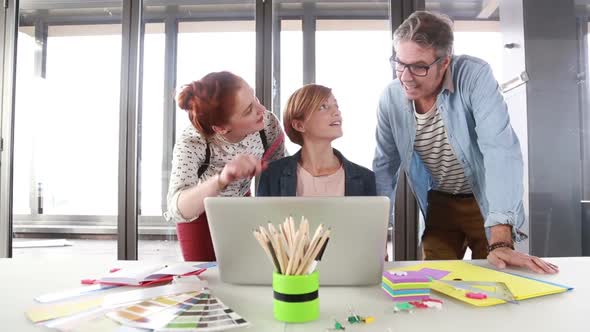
x,y
148,274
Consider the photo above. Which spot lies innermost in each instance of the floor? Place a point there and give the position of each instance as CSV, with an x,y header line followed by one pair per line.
x,y
147,249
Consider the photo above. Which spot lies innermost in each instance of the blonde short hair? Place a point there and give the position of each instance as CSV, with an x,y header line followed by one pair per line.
x,y
301,105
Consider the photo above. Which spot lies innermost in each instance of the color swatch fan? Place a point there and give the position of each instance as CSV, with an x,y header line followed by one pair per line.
x,y
183,312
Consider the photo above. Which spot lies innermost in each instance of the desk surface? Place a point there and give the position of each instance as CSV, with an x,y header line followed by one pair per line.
x,y
21,280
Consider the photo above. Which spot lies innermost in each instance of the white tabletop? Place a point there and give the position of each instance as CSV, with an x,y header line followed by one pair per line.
x,y
21,280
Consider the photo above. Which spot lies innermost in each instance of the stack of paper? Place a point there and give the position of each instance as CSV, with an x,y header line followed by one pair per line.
x,y
520,286
406,286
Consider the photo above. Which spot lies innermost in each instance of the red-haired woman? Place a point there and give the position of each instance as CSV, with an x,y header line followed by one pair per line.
x,y
231,138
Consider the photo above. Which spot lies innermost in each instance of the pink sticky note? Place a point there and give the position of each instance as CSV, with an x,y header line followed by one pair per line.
x,y
434,273
410,276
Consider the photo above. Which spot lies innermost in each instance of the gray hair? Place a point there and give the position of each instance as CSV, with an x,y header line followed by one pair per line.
x,y
427,29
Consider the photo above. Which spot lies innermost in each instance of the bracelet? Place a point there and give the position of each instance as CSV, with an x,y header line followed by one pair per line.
x,y
497,245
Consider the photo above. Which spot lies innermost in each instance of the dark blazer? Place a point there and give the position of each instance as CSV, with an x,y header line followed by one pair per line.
x,y
280,178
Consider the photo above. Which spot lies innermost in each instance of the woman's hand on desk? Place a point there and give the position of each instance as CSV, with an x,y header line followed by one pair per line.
x,y
507,257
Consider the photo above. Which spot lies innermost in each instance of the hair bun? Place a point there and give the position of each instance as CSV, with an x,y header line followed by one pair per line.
x,y
186,96
208,101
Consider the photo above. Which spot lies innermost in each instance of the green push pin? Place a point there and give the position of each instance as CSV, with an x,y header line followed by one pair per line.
x,y
338,326
402,306
353,318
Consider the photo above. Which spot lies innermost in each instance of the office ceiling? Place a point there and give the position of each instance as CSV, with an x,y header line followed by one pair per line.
x,y
457,9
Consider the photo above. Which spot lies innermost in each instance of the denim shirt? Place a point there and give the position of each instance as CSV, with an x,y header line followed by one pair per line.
x,y
280,178
478,127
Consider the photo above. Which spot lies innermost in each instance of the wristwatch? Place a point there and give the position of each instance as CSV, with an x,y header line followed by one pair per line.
x,y
500,244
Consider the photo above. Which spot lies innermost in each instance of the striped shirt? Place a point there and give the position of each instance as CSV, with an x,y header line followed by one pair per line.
x,y
432,145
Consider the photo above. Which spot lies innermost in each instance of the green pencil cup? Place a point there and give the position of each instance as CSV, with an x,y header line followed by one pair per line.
x,y
296,297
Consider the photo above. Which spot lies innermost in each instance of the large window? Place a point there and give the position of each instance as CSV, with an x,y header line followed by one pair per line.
x,y
291,73
359,51
481,39
152,120
205,47
66,131
69,122
156,237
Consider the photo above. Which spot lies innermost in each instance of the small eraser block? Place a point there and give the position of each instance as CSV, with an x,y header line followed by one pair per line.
x,y
476,296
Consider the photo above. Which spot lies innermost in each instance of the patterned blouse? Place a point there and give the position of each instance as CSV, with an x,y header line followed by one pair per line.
x,y
189,155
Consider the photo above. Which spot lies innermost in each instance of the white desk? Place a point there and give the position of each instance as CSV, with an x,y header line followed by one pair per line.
x,y
21,280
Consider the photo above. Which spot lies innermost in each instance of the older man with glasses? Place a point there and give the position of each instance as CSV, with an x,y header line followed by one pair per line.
x,y
445,123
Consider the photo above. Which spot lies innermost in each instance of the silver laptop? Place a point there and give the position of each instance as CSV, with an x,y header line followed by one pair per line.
x,y
354,255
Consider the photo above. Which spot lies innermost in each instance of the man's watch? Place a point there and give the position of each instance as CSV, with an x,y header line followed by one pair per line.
x,y
500,244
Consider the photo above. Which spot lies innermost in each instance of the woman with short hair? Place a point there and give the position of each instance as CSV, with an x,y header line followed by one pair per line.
x,y
312,119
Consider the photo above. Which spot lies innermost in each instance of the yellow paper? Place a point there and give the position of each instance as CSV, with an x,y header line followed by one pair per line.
x,y
522,288
52,311
97,324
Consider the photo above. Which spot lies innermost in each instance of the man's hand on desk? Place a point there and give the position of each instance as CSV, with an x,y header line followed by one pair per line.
x,y
502,254
503,257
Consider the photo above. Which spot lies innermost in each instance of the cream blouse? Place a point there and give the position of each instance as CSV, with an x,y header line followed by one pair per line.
x,y
189,155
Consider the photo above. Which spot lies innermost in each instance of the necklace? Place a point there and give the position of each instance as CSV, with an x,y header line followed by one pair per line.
x,y
324,172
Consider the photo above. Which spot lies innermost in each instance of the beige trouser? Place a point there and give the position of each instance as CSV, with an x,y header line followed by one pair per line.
x,y
453,223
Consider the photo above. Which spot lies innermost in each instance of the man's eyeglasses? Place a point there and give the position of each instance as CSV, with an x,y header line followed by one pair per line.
x,y
416,70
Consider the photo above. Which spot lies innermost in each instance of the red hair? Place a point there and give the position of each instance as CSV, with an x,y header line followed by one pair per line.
x,y
210,100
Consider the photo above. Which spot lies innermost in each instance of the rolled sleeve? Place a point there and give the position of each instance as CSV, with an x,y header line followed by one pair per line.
x,y
502,157
495,218
173,214
188,155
